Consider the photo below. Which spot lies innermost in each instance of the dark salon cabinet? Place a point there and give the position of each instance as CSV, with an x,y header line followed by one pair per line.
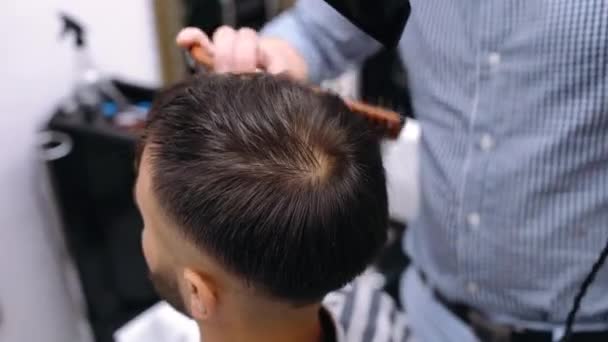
x,y
92,181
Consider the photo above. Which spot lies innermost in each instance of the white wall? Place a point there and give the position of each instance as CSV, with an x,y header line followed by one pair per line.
x,y
35,73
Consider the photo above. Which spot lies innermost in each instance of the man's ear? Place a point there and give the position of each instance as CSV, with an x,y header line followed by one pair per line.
x,y
200,295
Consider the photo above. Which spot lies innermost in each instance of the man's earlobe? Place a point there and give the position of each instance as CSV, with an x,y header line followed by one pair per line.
x,y
200,295
197,308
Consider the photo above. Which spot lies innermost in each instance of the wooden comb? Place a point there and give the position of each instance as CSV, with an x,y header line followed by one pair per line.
x,y
389,122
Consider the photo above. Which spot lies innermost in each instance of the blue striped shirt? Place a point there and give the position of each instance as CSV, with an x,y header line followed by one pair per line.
x,y
512,100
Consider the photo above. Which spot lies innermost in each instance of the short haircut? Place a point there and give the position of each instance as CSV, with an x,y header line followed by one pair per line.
x,y
282,185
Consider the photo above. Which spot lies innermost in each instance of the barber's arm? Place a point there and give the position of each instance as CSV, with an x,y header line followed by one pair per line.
x,y
325,39
310,41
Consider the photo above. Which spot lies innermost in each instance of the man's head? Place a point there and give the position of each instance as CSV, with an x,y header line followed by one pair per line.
x,y
255,189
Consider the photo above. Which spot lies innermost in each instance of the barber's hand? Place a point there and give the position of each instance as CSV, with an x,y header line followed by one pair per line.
x,y
244,50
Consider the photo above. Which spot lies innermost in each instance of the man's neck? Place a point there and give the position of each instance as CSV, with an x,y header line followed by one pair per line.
x,y
305,327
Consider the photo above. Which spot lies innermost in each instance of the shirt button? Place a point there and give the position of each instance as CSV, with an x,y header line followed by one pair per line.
x,y
472,288
486,142
474,220
493,58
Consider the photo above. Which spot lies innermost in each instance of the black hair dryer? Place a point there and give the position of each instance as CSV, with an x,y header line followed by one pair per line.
x,y
384,20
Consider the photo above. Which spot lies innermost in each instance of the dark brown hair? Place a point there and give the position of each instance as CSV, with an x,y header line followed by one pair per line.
x,y
284,186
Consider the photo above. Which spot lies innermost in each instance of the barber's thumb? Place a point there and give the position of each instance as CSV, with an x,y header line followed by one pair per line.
x,y
275,67
190,36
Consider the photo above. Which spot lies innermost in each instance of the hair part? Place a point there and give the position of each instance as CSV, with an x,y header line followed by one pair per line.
x,y
283,185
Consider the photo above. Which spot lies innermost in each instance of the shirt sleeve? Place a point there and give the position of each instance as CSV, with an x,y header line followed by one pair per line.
x,y
329,43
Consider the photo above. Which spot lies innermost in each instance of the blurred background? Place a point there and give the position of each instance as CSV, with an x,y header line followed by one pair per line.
x,y
77,78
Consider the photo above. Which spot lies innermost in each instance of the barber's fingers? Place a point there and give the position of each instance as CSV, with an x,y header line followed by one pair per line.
x,y
245,51
223,41
235,51
190,36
